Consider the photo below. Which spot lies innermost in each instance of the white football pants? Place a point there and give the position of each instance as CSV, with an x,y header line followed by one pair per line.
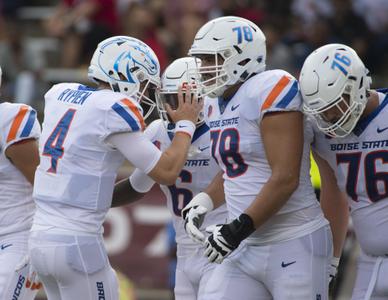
x,y
73,267
297,269
192,272
372,278
15,285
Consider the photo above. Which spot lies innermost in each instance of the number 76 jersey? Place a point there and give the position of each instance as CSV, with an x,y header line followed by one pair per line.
x,y
360,163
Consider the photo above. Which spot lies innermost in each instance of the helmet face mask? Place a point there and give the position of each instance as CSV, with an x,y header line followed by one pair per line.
x,y
129,66
334,84
238,50
212,77
180,73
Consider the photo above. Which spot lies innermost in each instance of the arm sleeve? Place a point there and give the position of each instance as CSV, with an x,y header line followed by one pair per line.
x,y
137,149
140,181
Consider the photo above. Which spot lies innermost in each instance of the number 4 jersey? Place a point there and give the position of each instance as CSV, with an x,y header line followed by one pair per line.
x,y
360,162
17,123
238,148
74,181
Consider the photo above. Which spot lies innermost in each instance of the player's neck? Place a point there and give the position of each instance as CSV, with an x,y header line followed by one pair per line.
x,y
230,91
371,104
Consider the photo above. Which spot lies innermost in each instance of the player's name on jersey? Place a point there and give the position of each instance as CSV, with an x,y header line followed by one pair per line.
x,y
74,96
359,145
197,163
222,123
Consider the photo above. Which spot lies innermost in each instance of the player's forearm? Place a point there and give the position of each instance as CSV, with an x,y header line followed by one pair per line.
x,y
172,160
336,211
215,190
274,194
124,193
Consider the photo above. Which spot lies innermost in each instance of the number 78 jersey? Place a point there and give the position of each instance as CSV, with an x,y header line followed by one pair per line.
x,y
237,143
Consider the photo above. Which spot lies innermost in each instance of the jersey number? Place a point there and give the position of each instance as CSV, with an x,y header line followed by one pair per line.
x,y
244,31
372,177
228,147
181,197
54,144
339,62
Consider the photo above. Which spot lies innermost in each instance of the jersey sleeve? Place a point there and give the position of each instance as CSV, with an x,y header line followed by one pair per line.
x,y
278,91
124,115
19,123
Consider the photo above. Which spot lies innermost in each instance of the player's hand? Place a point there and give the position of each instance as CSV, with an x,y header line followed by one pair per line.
x,y
194,216
333,268
224,239
217,247
189,106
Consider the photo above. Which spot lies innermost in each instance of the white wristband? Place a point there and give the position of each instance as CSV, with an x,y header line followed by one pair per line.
x,y
335,261
185,126
141,182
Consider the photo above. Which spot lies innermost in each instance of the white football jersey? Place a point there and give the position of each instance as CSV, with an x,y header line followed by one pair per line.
x,y
198,172
237,146
360,162
17,122
75,179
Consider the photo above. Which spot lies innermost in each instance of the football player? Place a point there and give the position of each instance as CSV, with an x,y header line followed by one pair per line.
x,y
193,270
351,146
86,135
19,157
277,243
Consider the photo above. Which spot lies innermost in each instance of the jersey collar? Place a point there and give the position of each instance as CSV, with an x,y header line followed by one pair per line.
x,y
364,122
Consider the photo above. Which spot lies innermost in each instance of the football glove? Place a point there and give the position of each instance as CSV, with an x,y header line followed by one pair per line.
x,y
194,213
333,268
224,239
193,221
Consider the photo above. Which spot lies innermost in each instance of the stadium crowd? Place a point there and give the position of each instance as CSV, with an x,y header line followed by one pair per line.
x,y
293,29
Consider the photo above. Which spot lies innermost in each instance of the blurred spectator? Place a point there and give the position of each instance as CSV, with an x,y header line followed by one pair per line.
x,y
21,66
374,12
144,23
310,11
81,25
279,55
